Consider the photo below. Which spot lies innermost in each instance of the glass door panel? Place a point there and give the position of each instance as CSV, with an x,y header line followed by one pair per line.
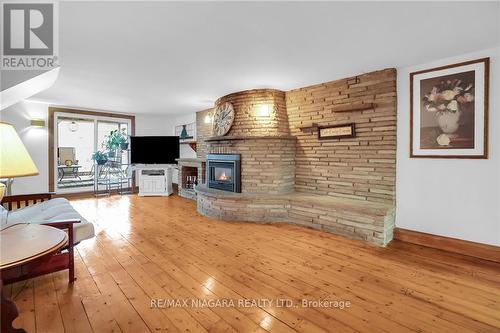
x,y
104,128
75,146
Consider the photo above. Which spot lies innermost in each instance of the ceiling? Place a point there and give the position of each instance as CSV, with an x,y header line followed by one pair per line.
x,y
174,58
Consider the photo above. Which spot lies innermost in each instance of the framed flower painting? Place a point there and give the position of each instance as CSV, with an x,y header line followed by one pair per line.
x,y
449,111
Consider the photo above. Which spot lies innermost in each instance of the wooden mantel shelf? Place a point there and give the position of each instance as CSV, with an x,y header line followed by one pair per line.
x,y
249,137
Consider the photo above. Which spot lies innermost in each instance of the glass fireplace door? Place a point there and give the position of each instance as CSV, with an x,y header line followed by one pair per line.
x,y
222,175
224,172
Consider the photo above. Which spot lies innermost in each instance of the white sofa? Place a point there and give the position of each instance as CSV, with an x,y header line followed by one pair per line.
x,y
51,211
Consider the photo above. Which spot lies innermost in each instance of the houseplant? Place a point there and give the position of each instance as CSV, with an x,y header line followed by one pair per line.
x,y
116,139
100,157
123,138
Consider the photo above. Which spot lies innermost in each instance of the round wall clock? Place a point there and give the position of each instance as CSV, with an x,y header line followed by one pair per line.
x,y
223,119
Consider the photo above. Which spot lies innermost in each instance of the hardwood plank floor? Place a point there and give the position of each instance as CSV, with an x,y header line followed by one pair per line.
x,y
161,249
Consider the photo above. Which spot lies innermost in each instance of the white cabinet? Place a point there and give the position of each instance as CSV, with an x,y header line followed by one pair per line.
x,y
155,181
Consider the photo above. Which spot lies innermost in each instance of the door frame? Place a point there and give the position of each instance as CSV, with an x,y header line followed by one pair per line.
x,y
76,112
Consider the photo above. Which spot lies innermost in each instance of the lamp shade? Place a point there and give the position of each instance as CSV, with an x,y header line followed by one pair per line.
x,y
14,158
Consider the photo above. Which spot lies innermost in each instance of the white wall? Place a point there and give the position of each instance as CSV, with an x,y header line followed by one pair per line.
x,y
36,139
153,125
458,198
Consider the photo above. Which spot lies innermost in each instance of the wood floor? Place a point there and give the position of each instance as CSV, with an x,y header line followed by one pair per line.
x,y
159,248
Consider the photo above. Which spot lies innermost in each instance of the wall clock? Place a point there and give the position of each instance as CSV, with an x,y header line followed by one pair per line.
x,y
223,119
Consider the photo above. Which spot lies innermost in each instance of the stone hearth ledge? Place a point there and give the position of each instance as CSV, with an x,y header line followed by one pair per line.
x,y
358,219
191,160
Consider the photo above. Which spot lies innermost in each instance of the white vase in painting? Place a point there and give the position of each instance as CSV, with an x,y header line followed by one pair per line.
x,y
449,121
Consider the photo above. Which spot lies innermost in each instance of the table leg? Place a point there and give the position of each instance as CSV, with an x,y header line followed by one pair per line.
x,y
9,313
63,174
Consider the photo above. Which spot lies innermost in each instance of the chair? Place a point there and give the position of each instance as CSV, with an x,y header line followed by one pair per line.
x,y
66,154
126,174
113,176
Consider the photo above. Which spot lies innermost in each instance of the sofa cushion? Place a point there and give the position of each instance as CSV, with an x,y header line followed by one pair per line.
x,y
53,202
81,231
54,210
23,214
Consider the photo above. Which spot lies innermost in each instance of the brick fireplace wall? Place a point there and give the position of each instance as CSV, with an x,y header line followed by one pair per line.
x,y
267,150
249,122
363,167
345,186
203,132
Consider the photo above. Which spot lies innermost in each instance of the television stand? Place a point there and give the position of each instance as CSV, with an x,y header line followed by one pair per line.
x,y
155,180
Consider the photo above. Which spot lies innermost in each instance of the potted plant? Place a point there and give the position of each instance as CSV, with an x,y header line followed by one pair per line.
x,y
100,157
123,139
116,140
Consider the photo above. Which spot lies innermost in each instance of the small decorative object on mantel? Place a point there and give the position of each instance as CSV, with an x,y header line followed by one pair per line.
x,y
337,131
223,119
449,111
186,132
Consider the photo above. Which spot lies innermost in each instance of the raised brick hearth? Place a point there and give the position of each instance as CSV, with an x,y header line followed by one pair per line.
x,y
369,221
345,186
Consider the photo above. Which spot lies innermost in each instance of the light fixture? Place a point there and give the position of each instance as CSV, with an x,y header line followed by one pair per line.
x,y
15,160
37,123
208,118
73,126
264,110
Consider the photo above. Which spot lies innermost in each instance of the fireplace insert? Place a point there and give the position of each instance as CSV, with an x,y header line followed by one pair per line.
x,y
224,172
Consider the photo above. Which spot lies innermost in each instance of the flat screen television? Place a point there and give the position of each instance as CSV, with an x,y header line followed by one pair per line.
x,y
154,149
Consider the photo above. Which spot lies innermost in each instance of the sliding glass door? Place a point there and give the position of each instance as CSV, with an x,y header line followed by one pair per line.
x,y
76,138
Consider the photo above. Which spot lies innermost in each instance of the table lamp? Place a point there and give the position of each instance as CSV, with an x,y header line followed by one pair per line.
x,y
14,158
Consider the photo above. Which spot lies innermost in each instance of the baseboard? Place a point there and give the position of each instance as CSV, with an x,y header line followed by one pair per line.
x,y
477,250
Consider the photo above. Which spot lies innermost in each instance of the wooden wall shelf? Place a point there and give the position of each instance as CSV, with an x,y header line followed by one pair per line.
x,y
191,144
341,108
354,107
249,137
311,128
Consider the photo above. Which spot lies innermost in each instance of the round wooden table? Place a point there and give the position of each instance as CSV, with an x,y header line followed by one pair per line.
x,y
21,246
